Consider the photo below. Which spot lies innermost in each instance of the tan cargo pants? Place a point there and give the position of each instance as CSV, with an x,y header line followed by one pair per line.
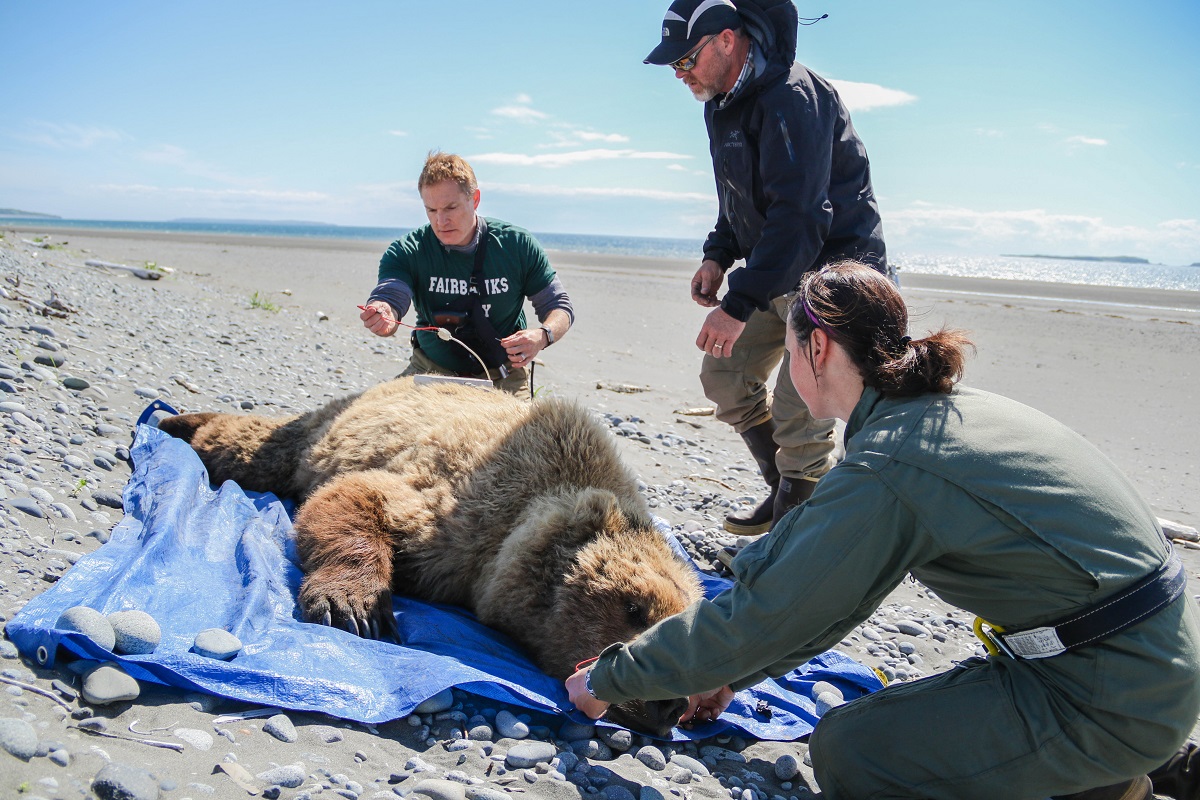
x,y
738,387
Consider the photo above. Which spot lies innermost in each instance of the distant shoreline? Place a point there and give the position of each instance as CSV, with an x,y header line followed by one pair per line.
x,y
1106,259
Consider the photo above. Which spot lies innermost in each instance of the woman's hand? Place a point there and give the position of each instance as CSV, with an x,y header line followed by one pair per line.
x,y
581,697
707,706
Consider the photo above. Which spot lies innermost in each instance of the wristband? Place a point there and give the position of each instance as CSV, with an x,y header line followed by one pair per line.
x,y
587,684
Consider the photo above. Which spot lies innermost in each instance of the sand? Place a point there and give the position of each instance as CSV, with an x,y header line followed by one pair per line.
x,y
1118,365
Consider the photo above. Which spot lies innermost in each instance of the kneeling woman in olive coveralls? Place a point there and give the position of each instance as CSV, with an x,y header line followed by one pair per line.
x,y
1000,510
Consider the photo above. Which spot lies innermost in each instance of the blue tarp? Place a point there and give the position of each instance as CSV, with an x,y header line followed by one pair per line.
x,y
194,557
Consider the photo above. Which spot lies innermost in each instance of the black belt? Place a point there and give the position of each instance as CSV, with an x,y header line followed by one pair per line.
x,y
1110,616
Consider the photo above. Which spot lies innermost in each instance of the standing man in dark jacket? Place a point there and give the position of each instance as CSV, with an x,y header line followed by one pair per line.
x,y
795,193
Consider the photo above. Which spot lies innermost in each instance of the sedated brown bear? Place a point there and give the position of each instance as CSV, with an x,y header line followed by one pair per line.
x,y
521,512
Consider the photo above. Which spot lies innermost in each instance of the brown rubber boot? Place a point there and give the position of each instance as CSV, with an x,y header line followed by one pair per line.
x,y
792,492
1138,788
761,442
1180,776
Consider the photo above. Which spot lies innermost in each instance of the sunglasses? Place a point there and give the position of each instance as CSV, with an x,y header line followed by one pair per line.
x,y
688,62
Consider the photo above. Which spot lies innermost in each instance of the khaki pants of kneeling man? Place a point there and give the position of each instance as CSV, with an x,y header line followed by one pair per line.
x,y
516,383
738,387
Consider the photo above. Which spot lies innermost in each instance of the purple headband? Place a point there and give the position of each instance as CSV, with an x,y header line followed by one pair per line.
x,y
808,312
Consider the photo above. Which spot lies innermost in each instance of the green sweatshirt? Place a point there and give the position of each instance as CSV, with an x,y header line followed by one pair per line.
x,y
999,509
515,267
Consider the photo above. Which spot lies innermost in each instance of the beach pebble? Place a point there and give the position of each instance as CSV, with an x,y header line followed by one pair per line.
x,y
289,776
74,383
689,763
509,726
90,622
911,628
786,767
616,738
18,738
124,782
217,643
593,749
822,687
525,755
652,757
200,740
108,684
109,499
136,632
281,727
28,505
826,701
477,792
439,702
327,734
8,649
572,731
438,789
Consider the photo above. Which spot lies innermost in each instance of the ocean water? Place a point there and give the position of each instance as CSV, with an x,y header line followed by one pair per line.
x,y
1094,273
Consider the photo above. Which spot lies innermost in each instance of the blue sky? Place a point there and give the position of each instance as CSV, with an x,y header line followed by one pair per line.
x,y
1064,127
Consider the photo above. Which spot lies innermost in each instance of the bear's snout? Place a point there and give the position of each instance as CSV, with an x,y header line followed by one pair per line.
x,y
655,717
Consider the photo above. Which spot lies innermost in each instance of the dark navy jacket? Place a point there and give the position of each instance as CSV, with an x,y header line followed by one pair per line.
x,y
792,176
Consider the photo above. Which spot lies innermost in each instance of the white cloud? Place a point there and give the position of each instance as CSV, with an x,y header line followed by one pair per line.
x,y
397,133
523,111
69,136
867,96
990,133
593,136
540,190
519,113
555,160
1088,140
925,226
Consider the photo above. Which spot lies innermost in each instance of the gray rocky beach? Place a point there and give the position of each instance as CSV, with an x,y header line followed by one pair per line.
x,y
241,325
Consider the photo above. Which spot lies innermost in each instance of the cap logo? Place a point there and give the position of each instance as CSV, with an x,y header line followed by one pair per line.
x,y
705,5
666,33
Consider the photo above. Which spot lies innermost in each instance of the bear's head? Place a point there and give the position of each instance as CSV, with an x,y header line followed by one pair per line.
x,y
623,577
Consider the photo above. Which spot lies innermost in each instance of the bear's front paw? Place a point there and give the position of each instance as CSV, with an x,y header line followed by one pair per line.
x,y
363,613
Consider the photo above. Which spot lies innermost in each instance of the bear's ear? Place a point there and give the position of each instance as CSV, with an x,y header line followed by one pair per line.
x,y
597,510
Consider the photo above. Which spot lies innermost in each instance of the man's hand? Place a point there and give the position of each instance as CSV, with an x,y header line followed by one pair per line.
x,y
706,283
523,345
583,700
707,706
377,317
719,333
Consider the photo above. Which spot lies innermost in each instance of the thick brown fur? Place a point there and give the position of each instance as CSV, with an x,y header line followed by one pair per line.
x,y
521,512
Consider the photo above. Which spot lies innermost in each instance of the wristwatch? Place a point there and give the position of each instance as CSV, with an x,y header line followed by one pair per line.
x,y
549,335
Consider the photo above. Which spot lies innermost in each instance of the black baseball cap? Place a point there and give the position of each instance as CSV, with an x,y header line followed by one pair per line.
x,y
687,22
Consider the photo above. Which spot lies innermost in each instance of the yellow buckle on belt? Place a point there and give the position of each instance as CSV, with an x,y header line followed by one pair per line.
x,y
994,644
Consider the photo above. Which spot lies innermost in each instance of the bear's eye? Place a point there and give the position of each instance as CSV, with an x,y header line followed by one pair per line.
x,y
635,614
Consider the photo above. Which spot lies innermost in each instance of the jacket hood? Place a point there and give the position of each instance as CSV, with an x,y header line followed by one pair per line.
x,y
773,25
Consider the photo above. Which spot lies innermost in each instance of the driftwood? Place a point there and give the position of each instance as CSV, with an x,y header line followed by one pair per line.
x,y
141,272
1177,531
54,307
623,388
